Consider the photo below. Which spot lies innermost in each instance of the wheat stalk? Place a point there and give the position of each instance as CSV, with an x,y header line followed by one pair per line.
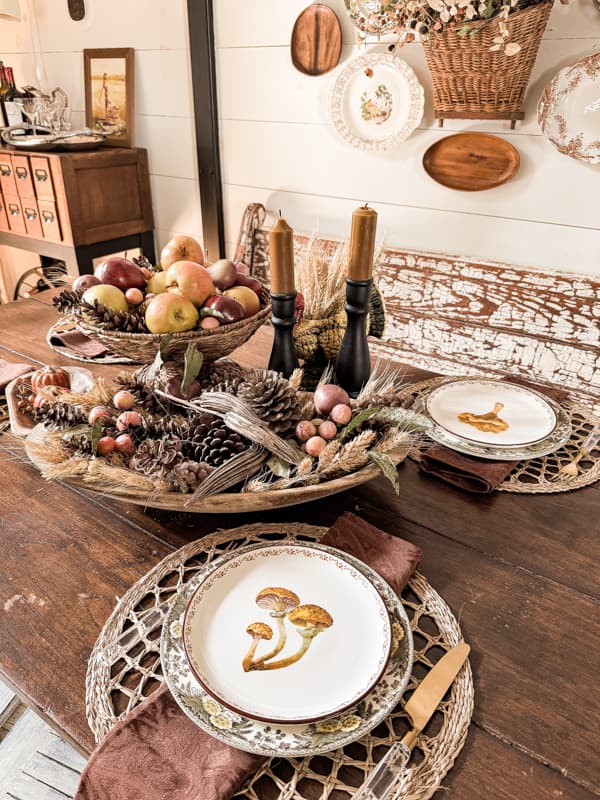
x,y
328,454
352,456
321,277
99,395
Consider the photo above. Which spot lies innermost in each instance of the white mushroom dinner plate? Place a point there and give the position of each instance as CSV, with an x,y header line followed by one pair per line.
x,y
254,736
491,412
569,110
376,102
287,634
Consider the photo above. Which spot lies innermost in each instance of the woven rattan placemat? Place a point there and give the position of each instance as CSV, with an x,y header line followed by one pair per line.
x,y
115,688
536,476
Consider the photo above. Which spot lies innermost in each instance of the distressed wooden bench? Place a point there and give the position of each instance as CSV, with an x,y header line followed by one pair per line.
x,y
457,315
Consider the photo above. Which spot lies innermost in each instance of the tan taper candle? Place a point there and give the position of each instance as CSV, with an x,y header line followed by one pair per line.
x,y
281,251
362,244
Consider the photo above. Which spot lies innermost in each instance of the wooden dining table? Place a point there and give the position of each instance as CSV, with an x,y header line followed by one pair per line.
x,y
519,571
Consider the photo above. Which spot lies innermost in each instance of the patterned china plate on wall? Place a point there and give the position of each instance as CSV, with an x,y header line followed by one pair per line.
x,y
373,17
569,110
254,736
376,102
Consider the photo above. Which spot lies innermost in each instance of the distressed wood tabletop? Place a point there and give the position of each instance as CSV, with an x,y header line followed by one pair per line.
x,y
519,571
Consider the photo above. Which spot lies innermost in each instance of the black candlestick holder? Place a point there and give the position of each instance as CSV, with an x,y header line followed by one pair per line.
x,y
353,364
284,358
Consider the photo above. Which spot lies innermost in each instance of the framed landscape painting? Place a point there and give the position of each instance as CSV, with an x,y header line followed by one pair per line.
x,y
109,93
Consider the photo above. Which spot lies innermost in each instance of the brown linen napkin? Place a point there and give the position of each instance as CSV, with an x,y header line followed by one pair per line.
x,y
478,475
9,371
156,752
77,343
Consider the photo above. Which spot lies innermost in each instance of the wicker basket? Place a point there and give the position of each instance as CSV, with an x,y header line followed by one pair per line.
x,y
140,348
470,82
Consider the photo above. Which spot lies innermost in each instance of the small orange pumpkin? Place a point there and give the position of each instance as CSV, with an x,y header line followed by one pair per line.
x,y
50,376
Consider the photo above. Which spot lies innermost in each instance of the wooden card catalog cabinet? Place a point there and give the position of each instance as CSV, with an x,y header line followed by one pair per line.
x,y
75,199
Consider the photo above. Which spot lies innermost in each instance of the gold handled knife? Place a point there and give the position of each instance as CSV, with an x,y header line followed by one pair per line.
x,y
420,708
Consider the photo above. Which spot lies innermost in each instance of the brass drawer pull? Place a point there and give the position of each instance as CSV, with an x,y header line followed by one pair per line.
x,y
47,217
30,214
13,210
21,173
5,170
41,175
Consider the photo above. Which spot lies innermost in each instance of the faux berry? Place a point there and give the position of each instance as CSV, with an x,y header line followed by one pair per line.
x,y
106,445
128,419
328,430
315,445
305,430
98,412
124,444
123,400
342,414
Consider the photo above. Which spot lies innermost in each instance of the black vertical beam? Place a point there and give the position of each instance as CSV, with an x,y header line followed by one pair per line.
x,y
204,86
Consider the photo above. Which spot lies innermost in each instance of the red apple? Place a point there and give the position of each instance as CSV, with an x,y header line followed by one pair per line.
x,y
225,309
120,272
181,248
242,268
190,280
84,282
170,313
223,273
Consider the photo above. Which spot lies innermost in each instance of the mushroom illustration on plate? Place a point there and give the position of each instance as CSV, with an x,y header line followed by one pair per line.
x,y
310,620
279,602
258,631
490,422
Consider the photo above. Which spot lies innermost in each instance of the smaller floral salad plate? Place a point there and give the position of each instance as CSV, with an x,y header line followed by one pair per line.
x,y
306,650
287,634
376,102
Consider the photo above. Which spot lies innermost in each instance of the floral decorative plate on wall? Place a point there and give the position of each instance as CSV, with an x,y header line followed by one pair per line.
x,y
376,102
569,110
373,16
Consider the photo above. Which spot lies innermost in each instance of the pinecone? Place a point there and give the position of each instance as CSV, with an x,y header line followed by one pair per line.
x,y
131,321
189,474
143,263
272,398
80,443
212,442
158,426
68,302
57,416
157,458
25,397
222,371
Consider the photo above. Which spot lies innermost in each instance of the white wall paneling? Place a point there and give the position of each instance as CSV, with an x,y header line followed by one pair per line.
x,y
279,148
158,31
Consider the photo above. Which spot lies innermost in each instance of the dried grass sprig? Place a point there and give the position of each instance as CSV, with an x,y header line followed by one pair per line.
x,y
110,479
385,380
352,456
100,394
321,277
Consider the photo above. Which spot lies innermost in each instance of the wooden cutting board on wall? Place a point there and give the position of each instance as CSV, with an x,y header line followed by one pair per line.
x,y
316,40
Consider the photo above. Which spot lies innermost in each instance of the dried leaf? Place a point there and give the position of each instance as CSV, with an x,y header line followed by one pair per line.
x,y
358,420
387,467
193,361
279,467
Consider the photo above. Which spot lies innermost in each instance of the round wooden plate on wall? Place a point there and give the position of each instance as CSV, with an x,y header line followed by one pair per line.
x,y
471,162
316,40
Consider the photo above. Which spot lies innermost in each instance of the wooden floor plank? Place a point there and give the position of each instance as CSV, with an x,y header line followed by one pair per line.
x,y
26,787
29,733
51,772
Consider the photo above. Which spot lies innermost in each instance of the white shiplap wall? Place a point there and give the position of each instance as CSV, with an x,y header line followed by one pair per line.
x,y
279,148
164,119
